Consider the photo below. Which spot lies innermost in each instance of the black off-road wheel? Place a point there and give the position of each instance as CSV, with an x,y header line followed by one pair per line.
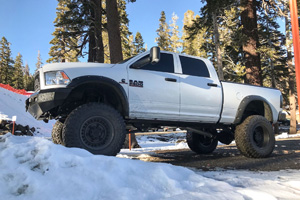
x,y
96,127
255,137
57,133
201,144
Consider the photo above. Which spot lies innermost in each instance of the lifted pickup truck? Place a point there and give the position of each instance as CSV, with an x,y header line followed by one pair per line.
x,y
96,104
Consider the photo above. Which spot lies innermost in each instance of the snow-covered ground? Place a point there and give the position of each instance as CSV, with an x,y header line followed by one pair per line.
x,y
13,104
35,168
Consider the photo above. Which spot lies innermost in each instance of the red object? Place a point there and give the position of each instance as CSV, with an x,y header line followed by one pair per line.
x,y
8,87
129,140
13,131
295,32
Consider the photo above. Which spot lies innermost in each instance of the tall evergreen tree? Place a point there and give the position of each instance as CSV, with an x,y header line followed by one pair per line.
x,y
18,73
271,49
81,25
175,43
39,63
188,38
138,44
27,79
163,32
126,35
6,62
64,47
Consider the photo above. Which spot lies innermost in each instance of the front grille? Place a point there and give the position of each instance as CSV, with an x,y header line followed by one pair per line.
x,y
37,82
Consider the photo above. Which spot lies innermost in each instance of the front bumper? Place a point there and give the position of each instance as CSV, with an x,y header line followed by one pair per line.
x,y
40,104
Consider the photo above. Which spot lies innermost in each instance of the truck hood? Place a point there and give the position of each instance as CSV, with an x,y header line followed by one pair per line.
x,y
74,65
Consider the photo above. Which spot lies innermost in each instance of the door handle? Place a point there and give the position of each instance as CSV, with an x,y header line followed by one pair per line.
x,y
212,84
171,79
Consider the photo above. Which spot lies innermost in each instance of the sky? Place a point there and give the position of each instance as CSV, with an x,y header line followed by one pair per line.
x,y
28,25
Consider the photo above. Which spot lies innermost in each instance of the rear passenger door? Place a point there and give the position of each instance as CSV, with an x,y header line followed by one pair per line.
x,y
200,91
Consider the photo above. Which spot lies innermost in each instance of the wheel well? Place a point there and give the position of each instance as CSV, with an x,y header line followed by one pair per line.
x,y
94,92
253,107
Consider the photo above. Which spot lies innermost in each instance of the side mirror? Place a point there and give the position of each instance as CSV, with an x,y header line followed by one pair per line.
x,y
154,55
153,58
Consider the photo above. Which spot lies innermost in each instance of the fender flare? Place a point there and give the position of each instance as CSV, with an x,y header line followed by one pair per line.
x,y
246,101
106,82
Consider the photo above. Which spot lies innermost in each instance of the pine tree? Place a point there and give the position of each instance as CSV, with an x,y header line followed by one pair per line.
x,y
18,73
6,62
126,35
28,79
138,44
79,25
271,49
175,43
188,38
39,61
163,32
64,47
212,35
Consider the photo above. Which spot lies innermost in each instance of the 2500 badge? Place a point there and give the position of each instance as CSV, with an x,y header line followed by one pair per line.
x,y
135,83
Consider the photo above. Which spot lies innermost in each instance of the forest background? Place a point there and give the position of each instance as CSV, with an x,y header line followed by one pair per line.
x,y
248,41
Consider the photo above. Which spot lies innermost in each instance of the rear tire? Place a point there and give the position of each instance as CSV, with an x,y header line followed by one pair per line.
x,y
201,144
255,137
57,133
96,127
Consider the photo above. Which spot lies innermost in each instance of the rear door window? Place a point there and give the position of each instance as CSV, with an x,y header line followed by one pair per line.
x,y
194,67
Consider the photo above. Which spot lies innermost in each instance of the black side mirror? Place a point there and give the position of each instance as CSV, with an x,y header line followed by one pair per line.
x,y
154,55
153,59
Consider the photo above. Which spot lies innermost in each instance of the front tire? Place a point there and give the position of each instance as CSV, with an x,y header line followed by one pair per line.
x,y
201,144
57,133
96,127
255,137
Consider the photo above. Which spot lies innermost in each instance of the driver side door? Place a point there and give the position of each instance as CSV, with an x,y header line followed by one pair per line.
x,y
154,90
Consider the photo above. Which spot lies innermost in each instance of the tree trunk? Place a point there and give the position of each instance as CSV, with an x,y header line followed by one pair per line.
x,y
251,57
291,80
92,40
218,49
99,49
113,28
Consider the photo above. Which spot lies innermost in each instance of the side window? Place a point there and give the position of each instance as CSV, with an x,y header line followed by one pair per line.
x,y
165,64
194,67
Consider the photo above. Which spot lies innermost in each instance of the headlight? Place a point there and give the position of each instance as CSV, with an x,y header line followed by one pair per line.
x,y
56,78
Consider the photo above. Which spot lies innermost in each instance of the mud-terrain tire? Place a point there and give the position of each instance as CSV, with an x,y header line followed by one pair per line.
x,y
255,137
57,133
201,144
96,127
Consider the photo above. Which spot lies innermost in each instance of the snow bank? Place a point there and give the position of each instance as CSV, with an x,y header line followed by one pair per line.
x,y
35,168
13,104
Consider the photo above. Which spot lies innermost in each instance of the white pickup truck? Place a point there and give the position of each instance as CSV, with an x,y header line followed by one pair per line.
x,y
96,104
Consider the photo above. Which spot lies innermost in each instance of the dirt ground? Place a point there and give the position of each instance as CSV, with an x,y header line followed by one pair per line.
x,y
286,155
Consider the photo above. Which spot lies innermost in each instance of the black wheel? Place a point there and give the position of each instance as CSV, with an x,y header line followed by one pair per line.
x,y
255,137
57,133
98,128
201,144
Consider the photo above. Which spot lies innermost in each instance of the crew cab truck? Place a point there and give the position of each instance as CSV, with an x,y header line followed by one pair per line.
x,y
96,104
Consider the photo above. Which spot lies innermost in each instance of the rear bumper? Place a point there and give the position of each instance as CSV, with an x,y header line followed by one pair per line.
x,y
39,104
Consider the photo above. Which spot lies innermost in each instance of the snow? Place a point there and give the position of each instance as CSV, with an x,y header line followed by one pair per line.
x,y
35,168
13,104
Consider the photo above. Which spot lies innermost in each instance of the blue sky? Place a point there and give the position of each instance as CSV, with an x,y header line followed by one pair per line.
x,y
28,24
